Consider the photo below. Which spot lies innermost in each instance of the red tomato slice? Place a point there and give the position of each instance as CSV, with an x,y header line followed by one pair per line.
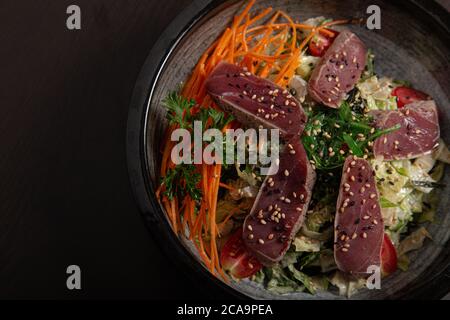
x,y
236,259
407,95
388,256
320,43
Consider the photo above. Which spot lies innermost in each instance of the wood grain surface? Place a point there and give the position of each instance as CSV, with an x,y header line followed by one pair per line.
x,y
64,191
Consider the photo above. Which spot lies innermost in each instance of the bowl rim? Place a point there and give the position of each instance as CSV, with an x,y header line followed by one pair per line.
x,y
136,141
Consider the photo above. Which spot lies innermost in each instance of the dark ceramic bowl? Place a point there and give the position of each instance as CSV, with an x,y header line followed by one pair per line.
x,y
413,44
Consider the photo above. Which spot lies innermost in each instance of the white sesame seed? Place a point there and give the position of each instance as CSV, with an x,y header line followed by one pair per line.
x,y
364,235
249,227
261,241
286,173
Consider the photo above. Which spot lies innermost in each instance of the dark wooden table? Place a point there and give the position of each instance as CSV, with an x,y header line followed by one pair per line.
x,y
64,190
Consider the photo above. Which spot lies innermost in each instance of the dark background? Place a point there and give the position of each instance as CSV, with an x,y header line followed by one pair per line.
x,y
64,190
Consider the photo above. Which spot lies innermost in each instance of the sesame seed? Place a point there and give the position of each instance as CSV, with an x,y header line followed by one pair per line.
x,y
367,185
292,151
364,235
286,103
366,217
362,190
294,194
344,249
270,236
298,209
261,241
250,265
254,97
353,163
267,116
282,198
248,73
354,235
329,99
250,236
375,222
346,185
354,60
286,173
351,193
249,227
347,245
341,151
342,237
374,206
341,66
373,195
287,200
352,178
385,140
396,142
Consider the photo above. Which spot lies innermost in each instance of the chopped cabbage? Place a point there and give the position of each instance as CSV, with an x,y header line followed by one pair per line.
x,y
300,86
413,242
306,66
346,286
304,244
377,93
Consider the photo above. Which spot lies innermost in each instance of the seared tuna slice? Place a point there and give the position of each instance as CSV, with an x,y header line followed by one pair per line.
x,y
338,71
255,101
280,205
418,134
359,229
